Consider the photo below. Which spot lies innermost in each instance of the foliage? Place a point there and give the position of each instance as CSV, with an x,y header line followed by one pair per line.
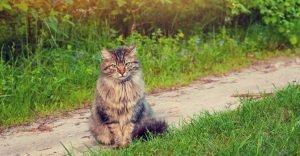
x,y
284,16
27,25
4,5
63,78
268,126
125,16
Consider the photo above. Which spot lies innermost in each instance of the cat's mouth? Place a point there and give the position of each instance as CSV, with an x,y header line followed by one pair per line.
x,y
123,78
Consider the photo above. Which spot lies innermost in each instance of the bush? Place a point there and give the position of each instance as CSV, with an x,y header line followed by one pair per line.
x,y
27,25
284,16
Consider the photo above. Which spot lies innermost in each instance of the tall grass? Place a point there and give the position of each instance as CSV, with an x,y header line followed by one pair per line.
x,y
50,80
62,77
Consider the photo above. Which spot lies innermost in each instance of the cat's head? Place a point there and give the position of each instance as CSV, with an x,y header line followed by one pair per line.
x,y
120,64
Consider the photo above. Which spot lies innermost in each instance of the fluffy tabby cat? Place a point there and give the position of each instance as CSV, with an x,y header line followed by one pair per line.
x,y
120,112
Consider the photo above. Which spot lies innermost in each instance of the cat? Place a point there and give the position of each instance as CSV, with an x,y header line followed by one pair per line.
x,y
120,111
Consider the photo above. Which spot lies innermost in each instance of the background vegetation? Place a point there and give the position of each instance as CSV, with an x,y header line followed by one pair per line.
x,y
50,48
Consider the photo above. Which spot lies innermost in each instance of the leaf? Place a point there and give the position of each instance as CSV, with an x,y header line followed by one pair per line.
x,y
180,35
4,5
273,20
267,19
120,3
166,1
69,47
293,39
115,12
281,29
23,6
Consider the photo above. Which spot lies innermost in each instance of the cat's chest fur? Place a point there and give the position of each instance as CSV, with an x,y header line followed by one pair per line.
x,y
121,96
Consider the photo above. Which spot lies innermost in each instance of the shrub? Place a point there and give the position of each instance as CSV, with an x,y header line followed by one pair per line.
x,y
284,16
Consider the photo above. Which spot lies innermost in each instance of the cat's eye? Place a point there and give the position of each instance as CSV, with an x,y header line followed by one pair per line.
x,y
127,64
113,66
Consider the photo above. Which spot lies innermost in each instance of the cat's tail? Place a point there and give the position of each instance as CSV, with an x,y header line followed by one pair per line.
x,y
153,126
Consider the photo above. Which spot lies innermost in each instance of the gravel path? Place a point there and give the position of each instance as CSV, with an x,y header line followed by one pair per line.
x,y
213,93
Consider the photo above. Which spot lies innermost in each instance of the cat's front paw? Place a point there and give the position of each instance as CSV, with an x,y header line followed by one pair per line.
x,y
122,144
106,140
118,146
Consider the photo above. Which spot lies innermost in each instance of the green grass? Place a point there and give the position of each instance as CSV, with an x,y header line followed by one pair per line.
x,y
270,126
50,80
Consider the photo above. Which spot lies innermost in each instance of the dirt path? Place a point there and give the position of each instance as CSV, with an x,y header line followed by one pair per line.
x,y
210,93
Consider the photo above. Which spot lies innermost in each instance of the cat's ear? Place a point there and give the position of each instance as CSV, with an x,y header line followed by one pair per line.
x,y
132,49
105,54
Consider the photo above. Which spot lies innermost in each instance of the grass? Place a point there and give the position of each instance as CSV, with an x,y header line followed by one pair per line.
x,y
269,126
54,79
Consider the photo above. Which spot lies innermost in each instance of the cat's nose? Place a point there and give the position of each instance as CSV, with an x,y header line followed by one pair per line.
x,y
121,69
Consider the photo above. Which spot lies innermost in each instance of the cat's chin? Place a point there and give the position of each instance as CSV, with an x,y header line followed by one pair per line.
x,y
123,78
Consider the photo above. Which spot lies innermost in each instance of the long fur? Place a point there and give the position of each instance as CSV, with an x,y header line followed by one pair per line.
x,y
151,126
120,110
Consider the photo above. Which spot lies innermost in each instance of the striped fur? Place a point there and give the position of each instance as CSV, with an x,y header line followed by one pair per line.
x,y
120,111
